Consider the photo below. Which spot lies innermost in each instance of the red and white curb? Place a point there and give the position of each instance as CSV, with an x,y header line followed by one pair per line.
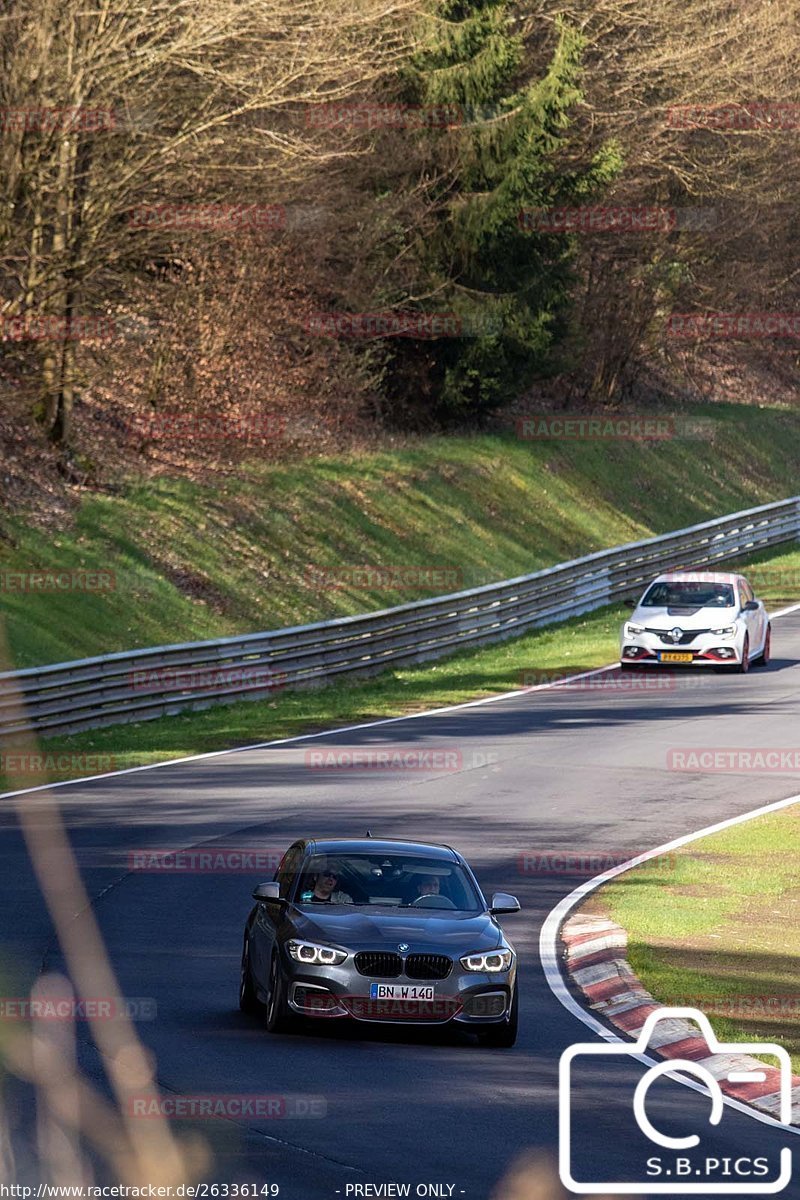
x,y
596,962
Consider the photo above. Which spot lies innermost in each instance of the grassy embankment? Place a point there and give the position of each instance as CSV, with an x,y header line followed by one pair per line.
x,y
192,562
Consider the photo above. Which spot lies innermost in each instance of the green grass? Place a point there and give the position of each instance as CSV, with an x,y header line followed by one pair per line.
x,y
775,576
193,561
717,926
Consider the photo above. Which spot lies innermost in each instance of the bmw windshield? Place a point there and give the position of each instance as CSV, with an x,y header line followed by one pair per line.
x,y
396,881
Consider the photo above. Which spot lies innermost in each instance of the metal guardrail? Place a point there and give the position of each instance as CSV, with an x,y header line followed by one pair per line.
x,y
141,685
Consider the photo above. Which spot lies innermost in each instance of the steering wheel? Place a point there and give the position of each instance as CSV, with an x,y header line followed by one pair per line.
x,y
432,900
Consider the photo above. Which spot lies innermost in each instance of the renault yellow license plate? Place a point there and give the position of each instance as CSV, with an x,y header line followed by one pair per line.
x,y
674,656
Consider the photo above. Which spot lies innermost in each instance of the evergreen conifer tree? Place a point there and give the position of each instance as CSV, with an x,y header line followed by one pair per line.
x,y
507,152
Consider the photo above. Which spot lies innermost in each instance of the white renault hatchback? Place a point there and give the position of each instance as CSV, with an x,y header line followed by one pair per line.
x,y
697,618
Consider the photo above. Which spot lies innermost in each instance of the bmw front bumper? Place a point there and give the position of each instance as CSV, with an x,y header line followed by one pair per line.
x,y
467,998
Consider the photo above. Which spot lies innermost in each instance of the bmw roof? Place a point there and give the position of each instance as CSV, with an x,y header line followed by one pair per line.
x,y
372,845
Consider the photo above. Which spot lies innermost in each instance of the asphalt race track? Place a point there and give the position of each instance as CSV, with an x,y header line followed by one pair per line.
x,y
555,770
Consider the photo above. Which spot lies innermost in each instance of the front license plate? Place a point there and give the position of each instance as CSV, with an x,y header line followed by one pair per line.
x,y
673,656
401,991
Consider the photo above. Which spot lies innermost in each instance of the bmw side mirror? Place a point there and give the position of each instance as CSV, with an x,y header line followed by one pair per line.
x,y
267,891
751,606
503,903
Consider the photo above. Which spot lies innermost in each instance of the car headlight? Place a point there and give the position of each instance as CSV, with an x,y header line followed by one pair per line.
x,y
491,963
726,632
314,955
633,630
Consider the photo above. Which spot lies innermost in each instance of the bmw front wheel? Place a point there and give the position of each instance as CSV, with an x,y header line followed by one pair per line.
x,y
278,1019
248,1000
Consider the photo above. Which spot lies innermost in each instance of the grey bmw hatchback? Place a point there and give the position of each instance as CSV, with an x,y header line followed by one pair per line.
x,y
379,931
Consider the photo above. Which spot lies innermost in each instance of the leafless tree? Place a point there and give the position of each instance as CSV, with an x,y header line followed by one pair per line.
x,y
110,110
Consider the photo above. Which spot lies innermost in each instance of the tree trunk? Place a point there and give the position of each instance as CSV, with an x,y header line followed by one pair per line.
x,y
64,398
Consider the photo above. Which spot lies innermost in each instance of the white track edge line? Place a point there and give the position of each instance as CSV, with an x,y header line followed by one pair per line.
x,y
549,956
302,737
548,938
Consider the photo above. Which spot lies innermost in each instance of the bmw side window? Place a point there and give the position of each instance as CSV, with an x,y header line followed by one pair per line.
x,y
287,871
280,867
746,593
